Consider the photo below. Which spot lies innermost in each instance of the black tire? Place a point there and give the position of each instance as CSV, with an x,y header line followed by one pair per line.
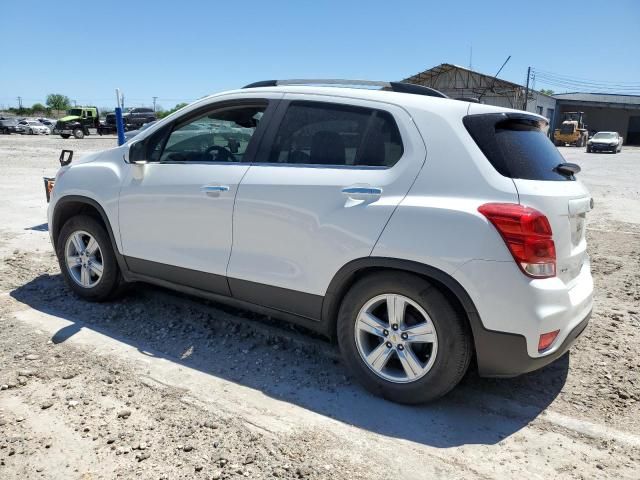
x,y
78,133
454,338
30,132
65,135
108,285
588,150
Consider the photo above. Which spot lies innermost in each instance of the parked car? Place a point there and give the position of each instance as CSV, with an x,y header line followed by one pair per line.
x,y
136,117
50,124
20,125
33,127
419,231
8,126
132,133
605,142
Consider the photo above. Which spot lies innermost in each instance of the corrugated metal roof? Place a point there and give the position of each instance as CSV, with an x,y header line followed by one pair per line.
x,y
599,97
446,67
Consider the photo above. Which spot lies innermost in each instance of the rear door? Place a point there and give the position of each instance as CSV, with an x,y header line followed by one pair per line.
x,y
323,186
518,148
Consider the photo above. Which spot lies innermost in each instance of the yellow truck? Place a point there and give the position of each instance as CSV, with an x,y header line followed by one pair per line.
x,y
572,130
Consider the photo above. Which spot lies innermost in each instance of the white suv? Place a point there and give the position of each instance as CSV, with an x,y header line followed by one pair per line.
x,y
419,231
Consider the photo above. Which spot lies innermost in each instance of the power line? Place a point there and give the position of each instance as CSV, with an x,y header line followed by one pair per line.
x,y
558,76
583,85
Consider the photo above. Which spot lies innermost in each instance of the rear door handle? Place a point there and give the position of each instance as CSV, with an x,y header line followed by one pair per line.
x,y
214,190
362,192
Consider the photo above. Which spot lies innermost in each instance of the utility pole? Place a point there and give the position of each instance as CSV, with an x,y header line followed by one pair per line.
x,y
154,103
526,90
19,104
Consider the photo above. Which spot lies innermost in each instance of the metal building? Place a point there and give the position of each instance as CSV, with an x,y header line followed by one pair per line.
x,y
460,82
603,112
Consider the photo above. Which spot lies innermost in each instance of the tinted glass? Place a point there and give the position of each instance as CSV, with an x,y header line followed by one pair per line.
x,y
314,133
220,136
517,148
605,135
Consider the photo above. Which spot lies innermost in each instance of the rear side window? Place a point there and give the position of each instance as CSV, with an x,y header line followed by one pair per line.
x,y
318,133
516,146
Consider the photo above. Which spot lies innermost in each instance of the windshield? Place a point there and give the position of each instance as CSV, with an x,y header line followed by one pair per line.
x,y
605,136
77,112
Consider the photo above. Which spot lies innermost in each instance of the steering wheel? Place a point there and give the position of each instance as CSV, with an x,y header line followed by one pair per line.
x,y
223,154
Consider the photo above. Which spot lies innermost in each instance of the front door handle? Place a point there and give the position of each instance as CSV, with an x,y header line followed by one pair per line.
x,y
214,190
362,192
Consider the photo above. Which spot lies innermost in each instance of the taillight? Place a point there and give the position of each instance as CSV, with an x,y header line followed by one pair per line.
x,y
527,233
546,340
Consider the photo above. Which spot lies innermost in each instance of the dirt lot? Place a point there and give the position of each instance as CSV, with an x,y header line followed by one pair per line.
x,y
160,385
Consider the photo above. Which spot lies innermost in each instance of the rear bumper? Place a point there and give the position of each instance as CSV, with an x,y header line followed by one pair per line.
x,y
515,310
505,354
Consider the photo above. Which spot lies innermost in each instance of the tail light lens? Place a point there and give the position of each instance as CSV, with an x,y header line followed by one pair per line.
x,y
546,340
527,233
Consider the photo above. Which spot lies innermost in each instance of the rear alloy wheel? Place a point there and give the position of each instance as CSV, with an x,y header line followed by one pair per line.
x,y
87,260
78,133
395,338
402,338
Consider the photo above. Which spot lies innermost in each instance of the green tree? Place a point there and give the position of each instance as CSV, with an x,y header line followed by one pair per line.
x,y
546,92
38,107
165,113
58,102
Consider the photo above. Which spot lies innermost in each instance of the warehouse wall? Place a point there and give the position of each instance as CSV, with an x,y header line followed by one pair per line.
x,y
604,118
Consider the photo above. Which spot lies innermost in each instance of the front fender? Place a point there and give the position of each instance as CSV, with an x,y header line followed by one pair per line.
x,y
96,180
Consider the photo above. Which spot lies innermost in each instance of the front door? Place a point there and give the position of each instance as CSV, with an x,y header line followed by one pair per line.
x,y
176,210
318,195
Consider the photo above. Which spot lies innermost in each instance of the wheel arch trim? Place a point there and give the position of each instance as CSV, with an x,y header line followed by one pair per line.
x,y
56,226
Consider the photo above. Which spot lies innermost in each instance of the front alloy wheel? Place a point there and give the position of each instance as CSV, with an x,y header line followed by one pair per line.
x,y
87,259
396,338
83,258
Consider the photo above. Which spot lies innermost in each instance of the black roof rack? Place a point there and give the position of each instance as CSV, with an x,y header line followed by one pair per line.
x,y
392,86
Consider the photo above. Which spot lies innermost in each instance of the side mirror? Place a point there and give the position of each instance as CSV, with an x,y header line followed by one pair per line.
x,y
137,152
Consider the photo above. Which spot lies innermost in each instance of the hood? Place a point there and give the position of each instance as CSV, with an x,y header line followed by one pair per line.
x,y
603,140
69,118
86,158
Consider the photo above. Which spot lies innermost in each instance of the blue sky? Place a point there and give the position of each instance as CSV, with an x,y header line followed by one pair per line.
x,y
180,51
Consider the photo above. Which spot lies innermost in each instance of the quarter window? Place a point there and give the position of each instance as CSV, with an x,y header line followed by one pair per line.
x,y
315,133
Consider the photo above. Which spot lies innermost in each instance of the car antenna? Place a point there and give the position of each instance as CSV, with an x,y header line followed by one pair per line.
x,y
490,87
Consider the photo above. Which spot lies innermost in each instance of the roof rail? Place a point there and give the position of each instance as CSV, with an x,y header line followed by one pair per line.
x,y
393,86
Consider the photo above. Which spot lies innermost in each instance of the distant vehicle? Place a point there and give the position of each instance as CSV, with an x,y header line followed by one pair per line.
x,y
132,133
137,117
572,131
33,127
79,121
22,122
605,142
8,126
50,124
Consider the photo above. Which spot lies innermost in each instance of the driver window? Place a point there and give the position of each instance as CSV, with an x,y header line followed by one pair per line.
x,y
219,136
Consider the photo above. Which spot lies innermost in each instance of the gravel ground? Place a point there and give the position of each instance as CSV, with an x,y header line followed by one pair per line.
x,y
161,385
